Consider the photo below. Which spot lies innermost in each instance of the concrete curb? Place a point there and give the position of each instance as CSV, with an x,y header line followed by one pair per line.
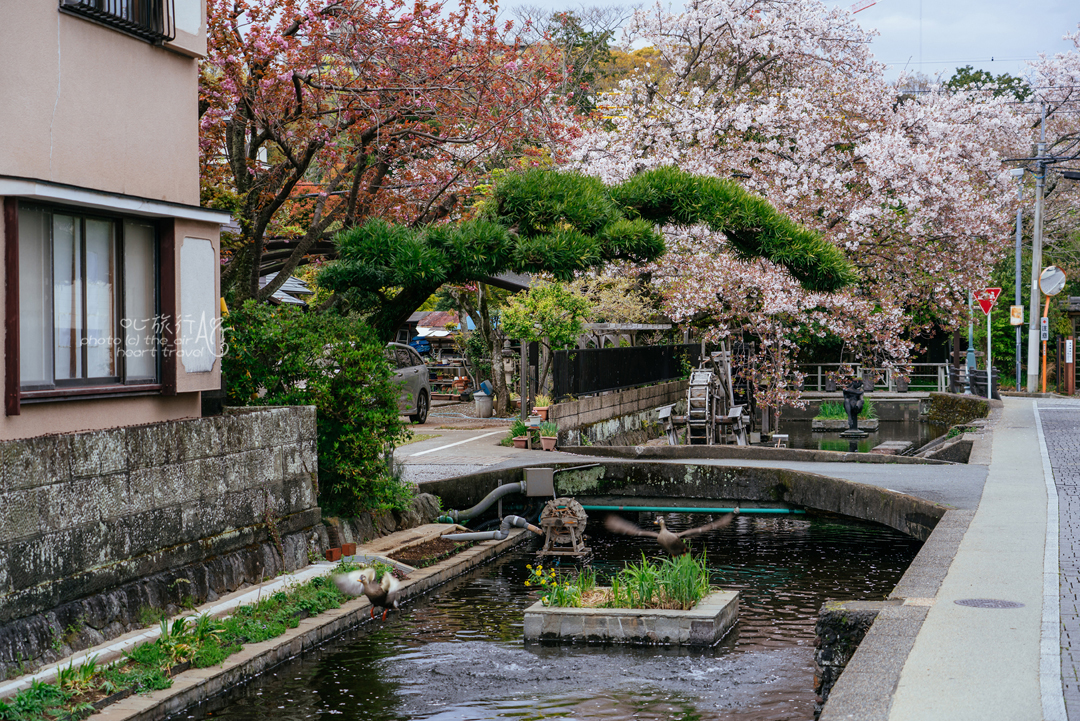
x,y
196,685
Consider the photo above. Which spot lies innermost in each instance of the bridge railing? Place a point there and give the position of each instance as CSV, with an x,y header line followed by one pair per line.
x,y
924,377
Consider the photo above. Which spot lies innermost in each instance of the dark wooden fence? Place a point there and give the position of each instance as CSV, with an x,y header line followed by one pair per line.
x,y
592,370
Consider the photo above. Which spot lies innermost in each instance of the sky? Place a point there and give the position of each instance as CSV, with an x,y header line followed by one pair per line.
x,y
937,36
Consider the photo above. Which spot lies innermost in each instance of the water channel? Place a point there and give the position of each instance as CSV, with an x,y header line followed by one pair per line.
x,y
457,654
800,435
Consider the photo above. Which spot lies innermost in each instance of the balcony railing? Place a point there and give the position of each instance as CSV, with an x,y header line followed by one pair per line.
x,y
152,20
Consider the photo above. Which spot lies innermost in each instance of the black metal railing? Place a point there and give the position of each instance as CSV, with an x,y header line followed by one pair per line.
x,y
152,20
592,370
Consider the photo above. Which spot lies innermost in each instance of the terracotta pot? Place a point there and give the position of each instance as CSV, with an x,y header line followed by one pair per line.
x,y
541,411
333,554
548,442
521,442
348,549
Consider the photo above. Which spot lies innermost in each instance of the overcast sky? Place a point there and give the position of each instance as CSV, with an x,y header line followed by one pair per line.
x,y
993,35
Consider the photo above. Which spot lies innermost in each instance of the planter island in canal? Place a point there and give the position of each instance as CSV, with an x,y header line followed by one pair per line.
x,y
703,625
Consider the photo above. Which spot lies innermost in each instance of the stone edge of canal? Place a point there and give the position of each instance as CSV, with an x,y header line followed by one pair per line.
x,y
197,685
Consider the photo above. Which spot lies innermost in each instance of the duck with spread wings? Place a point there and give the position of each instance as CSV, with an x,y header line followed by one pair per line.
x,y
383,595
670,541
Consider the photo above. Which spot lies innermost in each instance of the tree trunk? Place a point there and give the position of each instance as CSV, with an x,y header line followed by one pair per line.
x,y
392,314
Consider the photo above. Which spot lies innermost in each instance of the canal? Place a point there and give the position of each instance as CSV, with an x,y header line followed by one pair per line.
x,y
457,654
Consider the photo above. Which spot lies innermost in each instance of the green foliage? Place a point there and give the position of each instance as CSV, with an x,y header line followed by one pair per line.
x,y
678,582
753,227
560,590
284,356
832,410
549,429
968,78
517,429
40,701
547,312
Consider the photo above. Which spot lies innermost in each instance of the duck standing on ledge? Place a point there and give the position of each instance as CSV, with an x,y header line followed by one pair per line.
x,y
383,594
669,540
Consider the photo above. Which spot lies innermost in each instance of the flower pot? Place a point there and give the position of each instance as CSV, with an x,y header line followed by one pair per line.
x,y
521,442
333,554
548,442
541,411
348,549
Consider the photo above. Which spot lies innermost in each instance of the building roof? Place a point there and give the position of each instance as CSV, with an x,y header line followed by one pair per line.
x,y
288,291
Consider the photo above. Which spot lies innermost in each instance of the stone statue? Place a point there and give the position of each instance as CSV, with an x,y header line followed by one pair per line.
x,y
853,403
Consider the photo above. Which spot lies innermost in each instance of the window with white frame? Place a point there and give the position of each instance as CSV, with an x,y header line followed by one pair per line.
x,y
88,304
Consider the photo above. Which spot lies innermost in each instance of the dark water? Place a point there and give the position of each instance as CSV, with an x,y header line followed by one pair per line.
x,y
457,653
800,436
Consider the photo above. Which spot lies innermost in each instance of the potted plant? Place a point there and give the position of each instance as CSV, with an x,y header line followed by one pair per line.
x,y
519,432
549,435
540,405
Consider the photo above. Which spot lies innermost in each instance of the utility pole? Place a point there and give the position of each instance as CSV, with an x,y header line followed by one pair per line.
x,y
1019,175
1036,263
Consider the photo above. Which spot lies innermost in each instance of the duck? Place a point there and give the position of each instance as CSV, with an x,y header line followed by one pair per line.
x,y
383,594
670,541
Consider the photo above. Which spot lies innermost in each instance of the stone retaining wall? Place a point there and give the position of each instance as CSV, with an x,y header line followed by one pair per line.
x,y
840,628
84,515
619,418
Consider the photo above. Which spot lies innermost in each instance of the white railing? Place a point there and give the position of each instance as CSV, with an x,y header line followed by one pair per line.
x,y
923,377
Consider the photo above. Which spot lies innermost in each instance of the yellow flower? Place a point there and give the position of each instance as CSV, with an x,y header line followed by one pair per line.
x,y
528,566
540,569
527,583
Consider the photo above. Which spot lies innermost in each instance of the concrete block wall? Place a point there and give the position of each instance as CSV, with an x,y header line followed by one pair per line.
x,y
84,513
621,418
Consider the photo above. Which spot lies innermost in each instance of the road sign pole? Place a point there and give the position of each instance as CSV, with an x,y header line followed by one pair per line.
x,y
1046,314
989,365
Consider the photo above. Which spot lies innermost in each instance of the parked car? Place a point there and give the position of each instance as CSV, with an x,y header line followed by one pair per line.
x,y
411,371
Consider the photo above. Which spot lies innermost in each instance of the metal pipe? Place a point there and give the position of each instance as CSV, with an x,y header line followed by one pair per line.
x,y
503,532
682,509
503,490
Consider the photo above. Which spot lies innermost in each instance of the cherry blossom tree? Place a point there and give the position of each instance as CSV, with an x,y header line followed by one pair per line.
x,y
786,97
318,115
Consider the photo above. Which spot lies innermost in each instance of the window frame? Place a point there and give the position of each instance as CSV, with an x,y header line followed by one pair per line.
x,y
74,389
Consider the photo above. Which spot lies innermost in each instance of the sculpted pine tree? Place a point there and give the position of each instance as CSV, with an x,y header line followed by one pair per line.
x,y
560,223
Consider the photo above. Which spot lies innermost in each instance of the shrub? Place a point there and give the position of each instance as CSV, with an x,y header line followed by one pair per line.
x,y
832,410
284,356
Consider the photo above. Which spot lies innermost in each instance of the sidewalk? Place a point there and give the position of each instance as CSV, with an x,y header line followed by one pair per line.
x,y
990,637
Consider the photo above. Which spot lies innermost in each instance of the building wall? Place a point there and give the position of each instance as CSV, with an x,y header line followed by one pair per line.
x,y
83,513
92,107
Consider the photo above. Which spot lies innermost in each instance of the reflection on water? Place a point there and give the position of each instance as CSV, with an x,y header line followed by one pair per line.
x,y
457,654
800,435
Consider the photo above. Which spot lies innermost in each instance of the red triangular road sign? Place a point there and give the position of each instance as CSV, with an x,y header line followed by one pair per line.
x,y
986,298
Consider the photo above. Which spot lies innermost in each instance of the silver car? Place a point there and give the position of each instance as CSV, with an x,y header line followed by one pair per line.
x,y
412,373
